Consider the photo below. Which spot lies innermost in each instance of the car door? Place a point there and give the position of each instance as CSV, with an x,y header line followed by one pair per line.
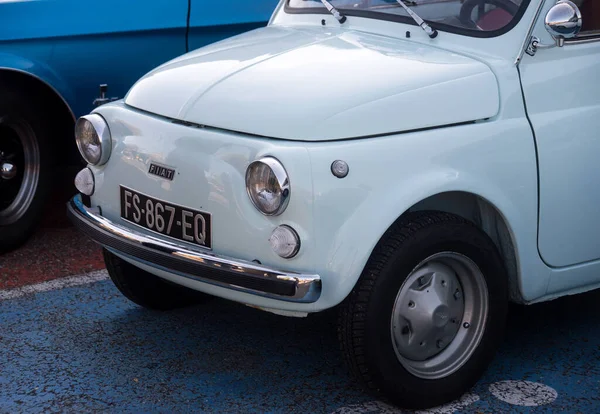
x,y
562,94
214,20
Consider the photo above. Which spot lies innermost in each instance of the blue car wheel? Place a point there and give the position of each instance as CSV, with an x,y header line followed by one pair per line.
x,y
26,167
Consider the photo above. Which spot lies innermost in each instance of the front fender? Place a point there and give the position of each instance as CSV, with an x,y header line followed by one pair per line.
x,y
39,71
389,175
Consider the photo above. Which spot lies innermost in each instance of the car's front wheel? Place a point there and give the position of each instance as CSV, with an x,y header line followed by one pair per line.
x,y
27,160
428,313
146,289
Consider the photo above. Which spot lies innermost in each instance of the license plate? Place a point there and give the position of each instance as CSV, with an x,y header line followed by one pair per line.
x,y
165,218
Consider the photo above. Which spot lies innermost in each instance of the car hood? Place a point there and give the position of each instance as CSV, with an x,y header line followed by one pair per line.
x,y
317,84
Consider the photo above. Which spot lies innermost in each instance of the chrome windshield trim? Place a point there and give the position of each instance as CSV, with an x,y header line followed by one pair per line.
x,y
197,264
530,32
371,13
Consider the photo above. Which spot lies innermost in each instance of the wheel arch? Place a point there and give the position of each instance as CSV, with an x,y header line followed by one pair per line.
x,y
50,92
470,205
40,82
507,214
488,218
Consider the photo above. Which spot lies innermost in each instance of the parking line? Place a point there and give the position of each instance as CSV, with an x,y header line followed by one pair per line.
x,y
56,284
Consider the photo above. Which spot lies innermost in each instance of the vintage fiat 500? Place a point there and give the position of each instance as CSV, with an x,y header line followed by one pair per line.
x,y
417,165
60,58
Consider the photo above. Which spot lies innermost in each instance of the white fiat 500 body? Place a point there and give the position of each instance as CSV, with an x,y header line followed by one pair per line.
x,y
418,174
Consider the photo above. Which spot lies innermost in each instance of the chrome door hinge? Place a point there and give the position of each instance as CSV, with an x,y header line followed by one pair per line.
x,y
532,46
535,44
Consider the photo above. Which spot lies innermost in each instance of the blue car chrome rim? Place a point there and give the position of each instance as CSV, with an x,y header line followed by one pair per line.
x,y
19,169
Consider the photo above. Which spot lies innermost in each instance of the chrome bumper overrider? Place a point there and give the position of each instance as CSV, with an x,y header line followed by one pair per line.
x,y
193,263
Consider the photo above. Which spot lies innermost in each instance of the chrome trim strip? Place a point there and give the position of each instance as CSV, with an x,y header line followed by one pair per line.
x,y
582,40
276,11
306,287
527,39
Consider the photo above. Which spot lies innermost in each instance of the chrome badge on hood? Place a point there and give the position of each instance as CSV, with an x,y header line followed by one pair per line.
x,y
160,171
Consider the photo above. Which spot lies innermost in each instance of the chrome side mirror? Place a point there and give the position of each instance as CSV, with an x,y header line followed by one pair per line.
x,y
563,21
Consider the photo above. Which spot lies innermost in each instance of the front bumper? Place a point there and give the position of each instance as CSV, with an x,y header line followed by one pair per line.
x,y
193,263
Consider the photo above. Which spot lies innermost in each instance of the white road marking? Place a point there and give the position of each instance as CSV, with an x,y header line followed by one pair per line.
x,y
378,407
524,393
62,283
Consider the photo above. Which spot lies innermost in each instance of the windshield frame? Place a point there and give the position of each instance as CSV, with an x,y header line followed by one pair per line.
x,y
408,20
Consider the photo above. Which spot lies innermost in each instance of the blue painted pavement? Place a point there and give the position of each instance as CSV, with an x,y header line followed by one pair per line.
x,y
86,348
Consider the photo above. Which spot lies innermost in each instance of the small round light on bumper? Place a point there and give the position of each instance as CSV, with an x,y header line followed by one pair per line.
x,y
285,241
84,182
268,186
93,139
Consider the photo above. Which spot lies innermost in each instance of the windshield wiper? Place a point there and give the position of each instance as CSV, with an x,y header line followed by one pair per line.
x,y
430,32
335,12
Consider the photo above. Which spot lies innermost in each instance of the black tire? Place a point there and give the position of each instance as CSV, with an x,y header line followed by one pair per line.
x,y
23,118
365,316
148,290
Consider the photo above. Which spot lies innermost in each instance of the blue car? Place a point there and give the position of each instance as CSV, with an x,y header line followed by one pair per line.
x,y
61,58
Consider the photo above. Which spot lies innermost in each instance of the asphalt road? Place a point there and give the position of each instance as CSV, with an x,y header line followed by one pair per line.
x,y
68,348
56,249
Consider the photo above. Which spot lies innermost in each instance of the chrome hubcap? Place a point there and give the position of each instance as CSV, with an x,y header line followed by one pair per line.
x,y
433,306
8,171
19,169
439,315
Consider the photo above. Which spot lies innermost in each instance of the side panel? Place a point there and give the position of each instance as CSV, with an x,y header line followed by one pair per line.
x,y
215,20
495,161
88,42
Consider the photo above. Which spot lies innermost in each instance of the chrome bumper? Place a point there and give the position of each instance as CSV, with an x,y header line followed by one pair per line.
x,y
193,263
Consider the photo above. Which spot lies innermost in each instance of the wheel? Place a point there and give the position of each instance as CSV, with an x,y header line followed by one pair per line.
x,y
26,166
428,312
147,290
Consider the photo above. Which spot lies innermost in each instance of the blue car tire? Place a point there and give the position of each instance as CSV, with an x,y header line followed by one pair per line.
x,y
27,162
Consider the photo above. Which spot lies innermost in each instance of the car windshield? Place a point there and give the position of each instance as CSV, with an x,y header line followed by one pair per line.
x,y
471,17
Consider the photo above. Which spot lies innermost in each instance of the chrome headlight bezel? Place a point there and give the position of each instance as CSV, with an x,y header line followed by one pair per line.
x,y
102,135
283,182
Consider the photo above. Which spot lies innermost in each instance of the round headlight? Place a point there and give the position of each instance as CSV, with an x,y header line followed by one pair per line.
x,y
268,186
93,139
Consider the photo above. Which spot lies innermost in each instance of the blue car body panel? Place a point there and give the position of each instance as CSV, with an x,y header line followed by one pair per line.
x,y
211,21
75,45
